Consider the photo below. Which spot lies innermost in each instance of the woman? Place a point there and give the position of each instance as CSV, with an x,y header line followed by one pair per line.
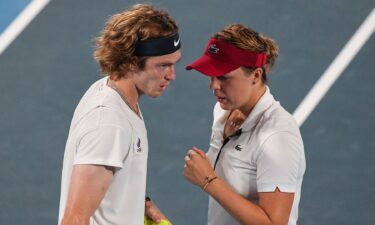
x,y
254,167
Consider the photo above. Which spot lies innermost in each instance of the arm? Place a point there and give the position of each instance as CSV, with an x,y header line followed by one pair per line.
x,y
88,186
273,209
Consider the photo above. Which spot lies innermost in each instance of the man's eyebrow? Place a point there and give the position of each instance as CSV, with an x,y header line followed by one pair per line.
x,y
169,63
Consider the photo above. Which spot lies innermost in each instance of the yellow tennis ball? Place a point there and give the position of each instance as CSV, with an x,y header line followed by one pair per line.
x,y
149,221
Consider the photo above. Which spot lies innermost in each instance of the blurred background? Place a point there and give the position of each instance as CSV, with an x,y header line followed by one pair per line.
x,y
47,68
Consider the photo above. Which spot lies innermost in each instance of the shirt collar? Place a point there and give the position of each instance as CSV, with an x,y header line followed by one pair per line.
x,y
256,113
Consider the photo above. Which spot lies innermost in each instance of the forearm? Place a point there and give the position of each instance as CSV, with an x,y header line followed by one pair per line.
x,y
273,207
236,205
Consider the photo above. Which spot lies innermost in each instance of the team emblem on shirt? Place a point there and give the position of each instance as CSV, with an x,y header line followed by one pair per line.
x,y
139,149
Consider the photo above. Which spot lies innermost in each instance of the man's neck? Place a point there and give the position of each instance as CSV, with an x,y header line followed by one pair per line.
x,y
127,90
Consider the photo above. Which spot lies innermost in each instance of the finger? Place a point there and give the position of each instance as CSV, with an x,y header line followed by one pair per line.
x,y
189,165
188,162
199,151
187,158
155,214
154,217
186,174
191,152
148,204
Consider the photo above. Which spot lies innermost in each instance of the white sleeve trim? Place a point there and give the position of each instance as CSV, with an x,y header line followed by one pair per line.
x,y
289,188
113,163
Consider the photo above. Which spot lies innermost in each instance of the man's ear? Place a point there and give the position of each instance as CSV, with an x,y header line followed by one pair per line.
x,y
257,74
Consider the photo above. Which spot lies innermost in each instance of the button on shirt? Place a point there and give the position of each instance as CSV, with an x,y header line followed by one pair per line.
x,y
266,155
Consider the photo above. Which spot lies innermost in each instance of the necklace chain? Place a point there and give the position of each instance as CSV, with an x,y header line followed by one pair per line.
x,y
112,85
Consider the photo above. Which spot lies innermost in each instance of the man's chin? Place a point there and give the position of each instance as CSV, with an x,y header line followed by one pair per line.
x,y
155,95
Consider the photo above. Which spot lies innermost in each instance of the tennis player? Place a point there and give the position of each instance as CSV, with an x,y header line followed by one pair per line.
x,y
254,167
105,162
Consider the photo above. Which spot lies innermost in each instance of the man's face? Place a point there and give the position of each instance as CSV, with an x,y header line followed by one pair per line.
x,y
157,74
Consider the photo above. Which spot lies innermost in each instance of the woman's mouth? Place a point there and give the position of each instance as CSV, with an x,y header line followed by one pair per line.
x,y
221,99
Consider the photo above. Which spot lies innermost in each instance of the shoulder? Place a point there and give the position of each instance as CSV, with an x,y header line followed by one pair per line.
x,y
278,127
277,119
98,110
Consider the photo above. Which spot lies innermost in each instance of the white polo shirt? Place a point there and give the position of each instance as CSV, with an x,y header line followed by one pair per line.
x,y
268,154
105,131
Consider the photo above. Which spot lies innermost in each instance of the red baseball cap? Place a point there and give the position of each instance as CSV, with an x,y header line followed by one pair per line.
x,y
220,58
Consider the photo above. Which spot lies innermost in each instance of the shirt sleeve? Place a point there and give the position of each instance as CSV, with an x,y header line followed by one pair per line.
x,y
105,145
279,163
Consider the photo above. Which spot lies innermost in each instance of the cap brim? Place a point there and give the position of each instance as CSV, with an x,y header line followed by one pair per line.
x,y
210,66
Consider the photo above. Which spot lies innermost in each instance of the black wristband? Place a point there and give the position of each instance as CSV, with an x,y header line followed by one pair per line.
x,y
147,199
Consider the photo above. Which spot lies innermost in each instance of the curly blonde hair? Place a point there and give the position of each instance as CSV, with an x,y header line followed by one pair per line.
x,y
116,44
246,38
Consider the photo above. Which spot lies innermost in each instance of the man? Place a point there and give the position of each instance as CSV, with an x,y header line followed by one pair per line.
x,y
105,162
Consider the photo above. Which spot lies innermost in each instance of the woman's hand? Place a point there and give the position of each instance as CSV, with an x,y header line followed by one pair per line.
x,y
197,168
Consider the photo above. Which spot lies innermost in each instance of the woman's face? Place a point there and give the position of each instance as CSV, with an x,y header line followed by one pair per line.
x,y
237,89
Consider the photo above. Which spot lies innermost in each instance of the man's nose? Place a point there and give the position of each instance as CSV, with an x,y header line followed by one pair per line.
x,y
171,73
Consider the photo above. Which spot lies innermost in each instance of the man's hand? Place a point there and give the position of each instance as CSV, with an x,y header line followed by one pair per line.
x,y
153,212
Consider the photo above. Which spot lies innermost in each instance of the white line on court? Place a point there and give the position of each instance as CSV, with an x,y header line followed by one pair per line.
x,y
333,72
20,23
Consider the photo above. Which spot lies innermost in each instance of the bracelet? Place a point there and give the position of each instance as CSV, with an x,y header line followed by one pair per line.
x,y
208,177
208,182
147,199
